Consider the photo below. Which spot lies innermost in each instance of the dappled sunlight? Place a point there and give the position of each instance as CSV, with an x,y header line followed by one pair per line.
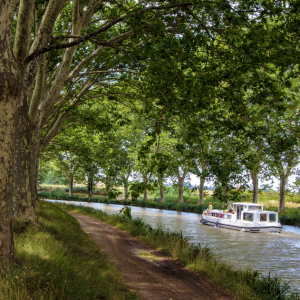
x,y
147,255
35,247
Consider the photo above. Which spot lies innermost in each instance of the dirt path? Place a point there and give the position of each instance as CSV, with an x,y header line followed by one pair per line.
x,y
148,272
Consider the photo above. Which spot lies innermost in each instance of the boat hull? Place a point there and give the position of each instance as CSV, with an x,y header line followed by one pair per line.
x,y
240,226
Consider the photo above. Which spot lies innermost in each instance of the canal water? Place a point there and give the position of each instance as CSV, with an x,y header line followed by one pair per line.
x,y
277,253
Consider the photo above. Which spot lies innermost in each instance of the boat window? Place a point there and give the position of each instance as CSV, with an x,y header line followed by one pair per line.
x,y
213,214
248,217
229,216
238,212
255,207
272,217
263,218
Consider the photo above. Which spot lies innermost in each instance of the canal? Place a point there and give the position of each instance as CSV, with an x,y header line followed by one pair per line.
x,y
277,253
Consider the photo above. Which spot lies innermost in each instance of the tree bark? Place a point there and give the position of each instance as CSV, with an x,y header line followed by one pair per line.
x,y
11,82
7,131
201,187
125,183
180,186
145,194
24,207
90,189
254,177
283,179
71,179
161,188
201,190
145,187
180,190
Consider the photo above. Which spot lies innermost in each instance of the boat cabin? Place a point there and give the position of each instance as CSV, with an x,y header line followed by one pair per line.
x,y
252,212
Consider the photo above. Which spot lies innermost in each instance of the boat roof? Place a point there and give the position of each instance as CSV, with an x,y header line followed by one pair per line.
x,y
247,203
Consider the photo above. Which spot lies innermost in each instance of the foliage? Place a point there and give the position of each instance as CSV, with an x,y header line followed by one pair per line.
x,y
113,194
135,189
229,193
125,212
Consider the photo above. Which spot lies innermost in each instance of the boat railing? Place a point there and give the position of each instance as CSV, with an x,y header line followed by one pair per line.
x,y
219,214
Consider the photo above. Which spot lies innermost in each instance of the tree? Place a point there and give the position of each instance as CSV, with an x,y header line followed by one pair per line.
x,y
282,140
39,87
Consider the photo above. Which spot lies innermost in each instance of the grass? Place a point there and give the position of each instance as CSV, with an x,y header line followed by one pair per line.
x,y
57,260
248,285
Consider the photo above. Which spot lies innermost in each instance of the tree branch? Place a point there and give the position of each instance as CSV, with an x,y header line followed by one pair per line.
x,y
103,28
23,30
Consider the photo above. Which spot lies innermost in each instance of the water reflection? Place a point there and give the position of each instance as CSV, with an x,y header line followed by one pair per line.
x,y
264,252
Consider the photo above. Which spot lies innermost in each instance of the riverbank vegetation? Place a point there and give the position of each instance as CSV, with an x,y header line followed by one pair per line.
x,y
57,260
291,215
243,284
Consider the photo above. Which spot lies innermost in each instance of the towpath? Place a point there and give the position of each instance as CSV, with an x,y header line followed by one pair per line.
x,y
148,272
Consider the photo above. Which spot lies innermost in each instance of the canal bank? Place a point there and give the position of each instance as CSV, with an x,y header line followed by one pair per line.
x,y
147,271
234,248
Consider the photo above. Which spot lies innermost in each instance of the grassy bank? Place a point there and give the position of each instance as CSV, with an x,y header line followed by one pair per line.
x,y
243,284
59,261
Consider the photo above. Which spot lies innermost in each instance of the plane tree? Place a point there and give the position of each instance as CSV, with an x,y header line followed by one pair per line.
x,y
282,140
40,85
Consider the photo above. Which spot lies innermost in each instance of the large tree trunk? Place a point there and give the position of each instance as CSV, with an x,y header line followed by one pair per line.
x,y
283,179
254,177
24,209
11,83
26,170
7,131
35,152
161,188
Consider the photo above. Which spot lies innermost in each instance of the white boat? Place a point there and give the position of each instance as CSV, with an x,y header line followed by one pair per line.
x,y
248,217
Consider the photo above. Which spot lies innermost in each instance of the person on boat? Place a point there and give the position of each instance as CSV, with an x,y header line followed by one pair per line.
x,y
209,206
